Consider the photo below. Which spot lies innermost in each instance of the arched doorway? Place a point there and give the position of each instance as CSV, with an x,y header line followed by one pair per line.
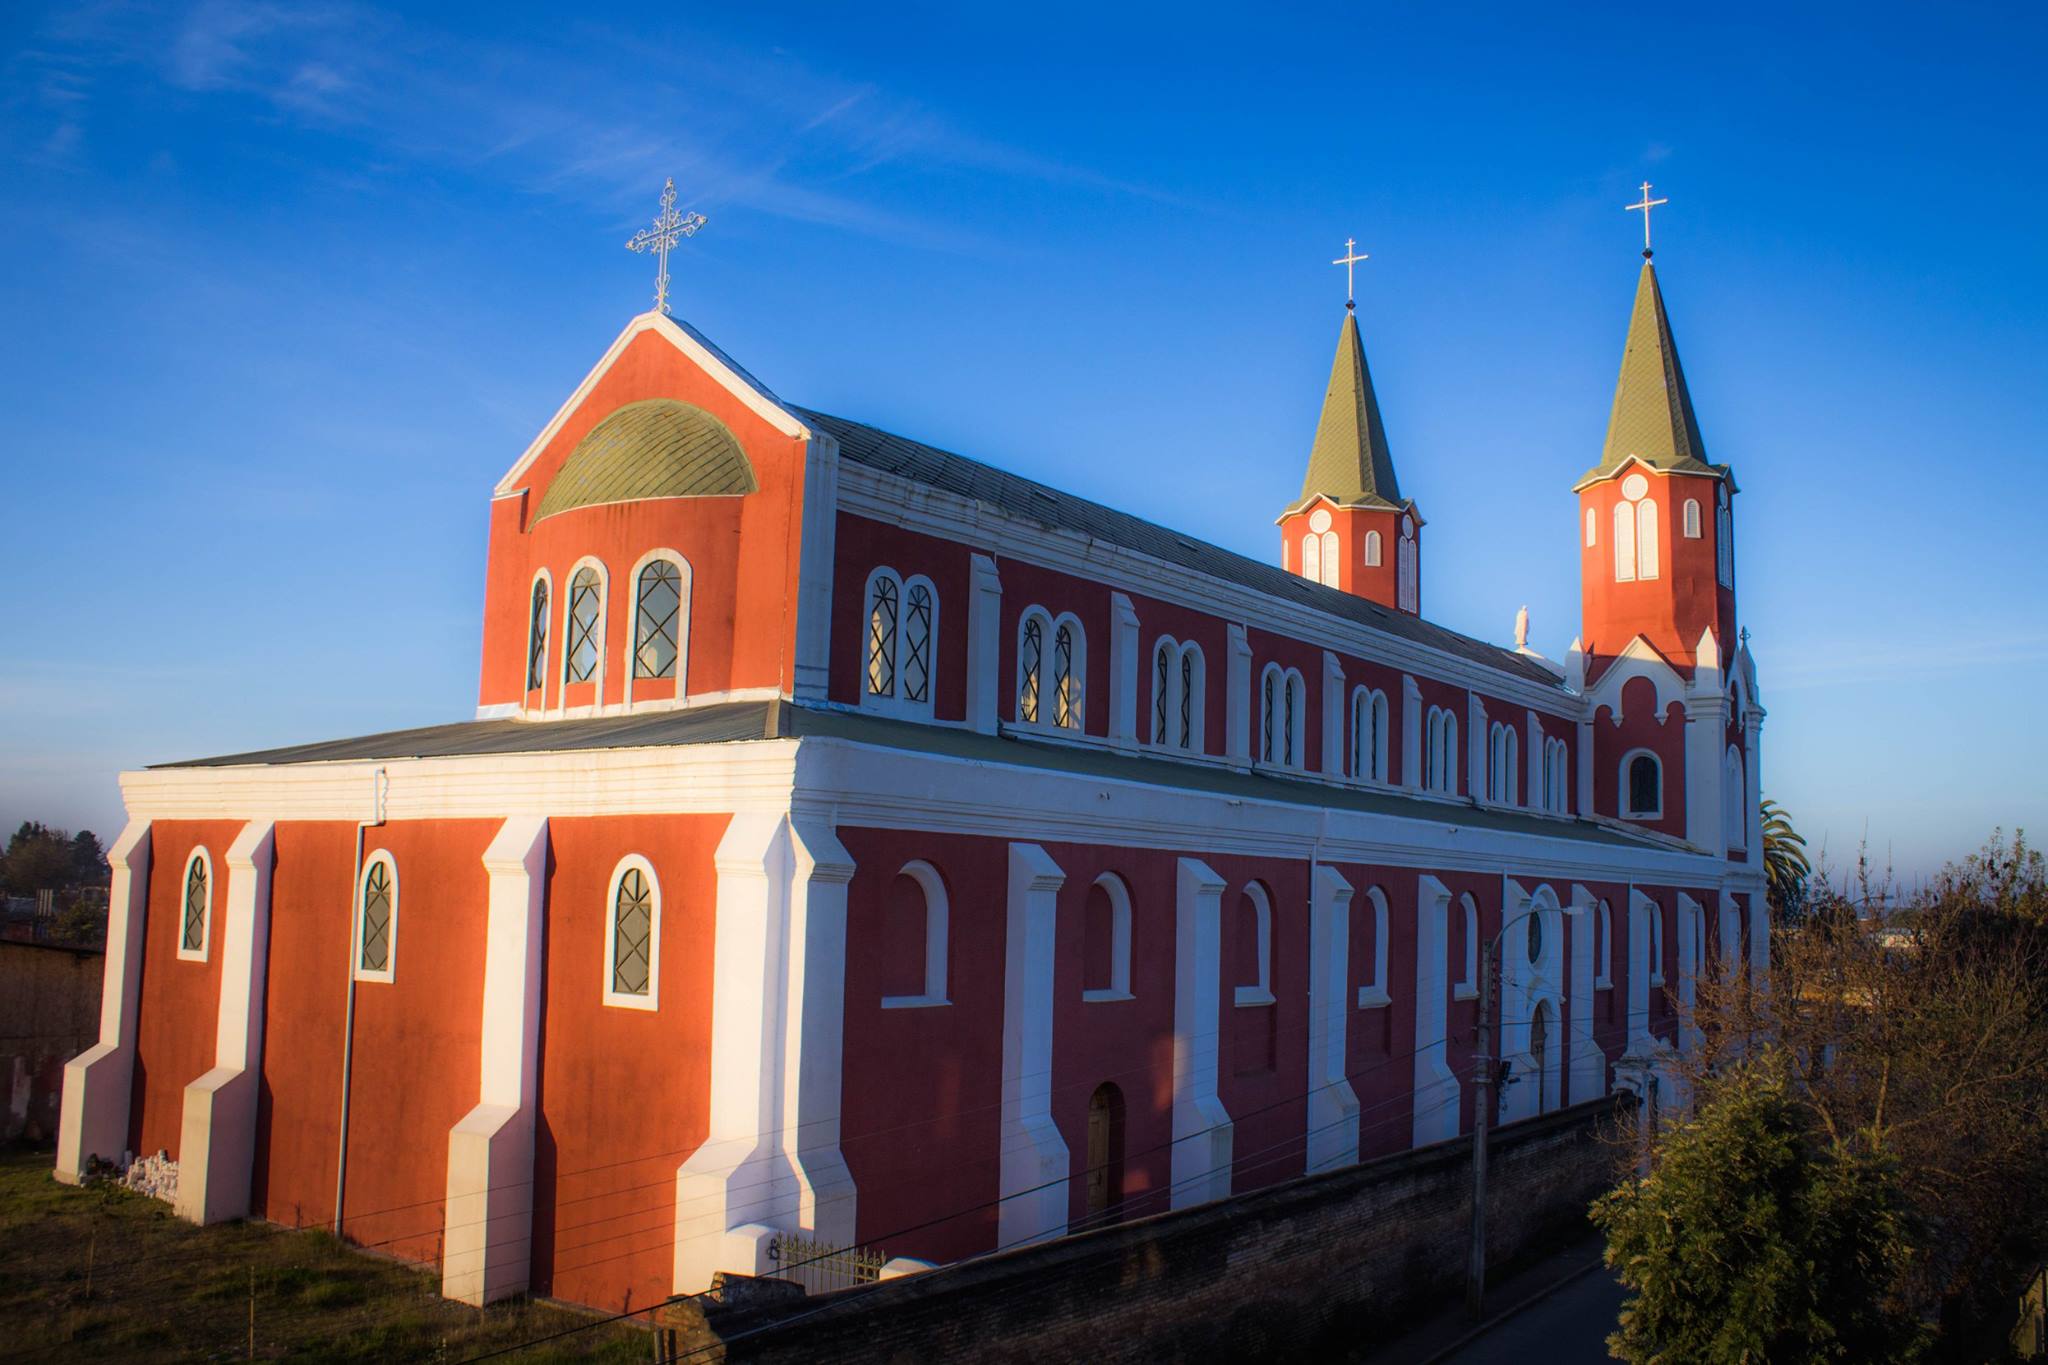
x,y
1105,1154
1539,1056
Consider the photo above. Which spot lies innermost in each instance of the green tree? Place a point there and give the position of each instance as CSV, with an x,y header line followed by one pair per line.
x,y
1757,1239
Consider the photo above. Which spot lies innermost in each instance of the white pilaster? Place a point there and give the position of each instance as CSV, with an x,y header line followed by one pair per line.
x,y
812,1052
1588,1079
1436,1087
1641,962
1753,775
1123,670
1730,945
1203,1138
1333,1133
1582,769
1411,734
1237,711
217,1138
1478,745
984,643
1706,729
1532,762
731,1192
1333,716
99,1081
1034,1156
1692,933
488,1248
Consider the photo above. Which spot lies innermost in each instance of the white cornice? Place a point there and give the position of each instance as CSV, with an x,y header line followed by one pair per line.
x,y
869,492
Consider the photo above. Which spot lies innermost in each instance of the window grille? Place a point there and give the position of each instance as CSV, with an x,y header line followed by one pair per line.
x,y
1066,687
375,953
1031,670
585,609
632,934
657,614
917,644
882,606
1187,697
194,938
1160,701
537,638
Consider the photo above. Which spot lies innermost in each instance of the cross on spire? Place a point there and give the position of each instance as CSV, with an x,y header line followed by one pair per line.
x,y
1643,207
669,227
1351,257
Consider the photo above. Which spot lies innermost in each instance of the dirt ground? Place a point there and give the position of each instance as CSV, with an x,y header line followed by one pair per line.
x,y
102,1274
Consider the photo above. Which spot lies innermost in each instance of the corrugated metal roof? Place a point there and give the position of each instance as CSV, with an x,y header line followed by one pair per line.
x,y
1023,498
742,721
658,448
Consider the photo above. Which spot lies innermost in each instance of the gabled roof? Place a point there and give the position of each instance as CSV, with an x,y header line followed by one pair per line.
x,y
1652,420
1349,462
1022,498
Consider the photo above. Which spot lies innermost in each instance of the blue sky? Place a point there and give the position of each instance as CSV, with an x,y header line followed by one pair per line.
x,y
289,285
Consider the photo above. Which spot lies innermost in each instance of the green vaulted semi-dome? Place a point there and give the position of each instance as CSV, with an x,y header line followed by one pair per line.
x,y
656,449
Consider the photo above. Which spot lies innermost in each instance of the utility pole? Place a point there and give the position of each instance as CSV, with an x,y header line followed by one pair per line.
x,y
1482,1119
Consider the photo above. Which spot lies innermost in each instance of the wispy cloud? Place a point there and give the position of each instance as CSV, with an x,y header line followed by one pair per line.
x,y
1815,663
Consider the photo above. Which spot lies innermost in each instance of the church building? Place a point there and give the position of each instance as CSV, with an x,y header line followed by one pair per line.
x,y
860,847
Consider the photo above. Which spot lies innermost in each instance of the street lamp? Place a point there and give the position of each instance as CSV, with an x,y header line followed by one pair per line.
x,y
1482,1109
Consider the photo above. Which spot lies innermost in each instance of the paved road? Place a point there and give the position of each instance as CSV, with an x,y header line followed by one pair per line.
x,y
1568,1327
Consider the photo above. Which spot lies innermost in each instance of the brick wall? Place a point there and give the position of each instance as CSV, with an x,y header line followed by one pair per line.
x,y
49,1013
1322,1266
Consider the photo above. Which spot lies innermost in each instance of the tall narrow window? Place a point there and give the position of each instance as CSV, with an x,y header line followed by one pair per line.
x,y
633,936
1373,993
1162,699
1692,518
1255,947
1369,734
919,621
1268,718
377,930
537,638
1190,695
1106,940
1291,722
1030,667
1372,549
1624,543
196,925
1066,679
1406,570
586,615
1468,984
1312,557
1592,525
1332,559
1646,538
883,605
1724,539
914,939
657,614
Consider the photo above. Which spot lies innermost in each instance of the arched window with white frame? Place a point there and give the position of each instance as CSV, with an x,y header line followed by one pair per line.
x,y
1312,557
1052,661
1255,940
632,935
661,619
1624,543
1734,799
1369,741
1373,993
916,932
1646,538
195,920
899,643
1556,776
1592,527
583,625
537,634
1468,984
1642,785
1372,549
1692,519
376,947
1034,636
1333,559
1441,771
1069,668
1177,695
1406,569
1503,754
1283,708
1106,940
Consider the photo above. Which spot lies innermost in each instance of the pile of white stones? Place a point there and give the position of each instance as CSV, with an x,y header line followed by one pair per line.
x,y
155,1176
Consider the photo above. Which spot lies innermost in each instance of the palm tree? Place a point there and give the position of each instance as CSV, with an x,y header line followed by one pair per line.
x,y
1785,866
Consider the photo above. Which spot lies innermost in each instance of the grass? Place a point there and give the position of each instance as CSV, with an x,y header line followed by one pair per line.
x,y
104,1273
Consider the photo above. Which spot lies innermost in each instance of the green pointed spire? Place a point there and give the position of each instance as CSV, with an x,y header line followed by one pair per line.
x,y
1652,418
1349,462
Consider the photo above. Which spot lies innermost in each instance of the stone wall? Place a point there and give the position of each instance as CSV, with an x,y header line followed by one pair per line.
x,y
1324,1266
49,1013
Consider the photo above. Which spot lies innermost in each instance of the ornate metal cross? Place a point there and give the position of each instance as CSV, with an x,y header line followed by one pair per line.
x,y
1351,257
669,228
1644,207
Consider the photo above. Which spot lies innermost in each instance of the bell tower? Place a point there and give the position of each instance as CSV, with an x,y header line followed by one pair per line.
x,y
1351,529
1656,524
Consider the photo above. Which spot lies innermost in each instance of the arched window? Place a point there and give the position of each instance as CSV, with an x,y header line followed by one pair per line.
x,y
1031,642
1592,523
1539,1050
1369,735
195,929
1557,760
1642,786
1312,557
1283,718
1373,993
1646,538
1068,661
632,935
1502,758
1405,568
1692,518
1255,945
1192,698
1372,549
1624,543
377,920
1604,976
915,934
585,643
1724,538
1441,774
1734,799
1165,664
1106,940
1468,985
899,642
1332,559
1105,1155
658,596
537,636
1177,695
